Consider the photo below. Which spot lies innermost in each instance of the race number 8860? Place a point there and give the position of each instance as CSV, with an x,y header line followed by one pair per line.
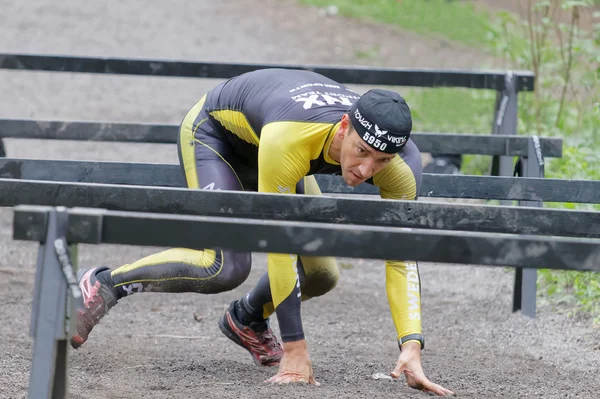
x,y
375,142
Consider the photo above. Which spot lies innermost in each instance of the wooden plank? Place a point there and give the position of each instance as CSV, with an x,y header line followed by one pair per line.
x,y
489,79
434,185
320,239
334,210
446,143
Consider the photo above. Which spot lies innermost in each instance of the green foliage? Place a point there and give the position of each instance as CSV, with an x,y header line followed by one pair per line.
x,y
578,292
565,60
452,20
566,103
451,109
454,110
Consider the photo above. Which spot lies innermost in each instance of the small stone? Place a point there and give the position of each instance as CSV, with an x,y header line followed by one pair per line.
x,y
198,316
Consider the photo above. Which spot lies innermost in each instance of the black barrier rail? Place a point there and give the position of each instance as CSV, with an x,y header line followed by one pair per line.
x,y
434,185
95,226
335,210
448,143
494,80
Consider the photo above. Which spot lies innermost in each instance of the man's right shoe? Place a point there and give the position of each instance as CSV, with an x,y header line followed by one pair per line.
x,y
257,338
96,299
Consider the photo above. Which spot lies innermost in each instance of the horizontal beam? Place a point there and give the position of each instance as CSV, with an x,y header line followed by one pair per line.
x,y
434,185
342,74
446,143
314,239
415,214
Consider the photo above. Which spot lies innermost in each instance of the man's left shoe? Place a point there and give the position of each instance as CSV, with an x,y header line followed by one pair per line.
x,y
96,299
257,338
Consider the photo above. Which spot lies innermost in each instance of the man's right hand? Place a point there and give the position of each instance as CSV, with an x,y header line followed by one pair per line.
x,y
409,364
295,365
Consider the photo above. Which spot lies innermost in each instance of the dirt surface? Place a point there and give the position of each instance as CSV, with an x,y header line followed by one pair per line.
x,y
475,345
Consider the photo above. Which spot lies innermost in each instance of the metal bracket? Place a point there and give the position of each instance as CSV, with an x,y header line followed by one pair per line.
x,y
505,123
525,289
506,95
52,310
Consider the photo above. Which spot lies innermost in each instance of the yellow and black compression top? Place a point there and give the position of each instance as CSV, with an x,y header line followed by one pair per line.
x,y
282,122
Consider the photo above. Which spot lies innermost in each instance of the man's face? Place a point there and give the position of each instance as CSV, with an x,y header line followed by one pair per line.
x,y
358,160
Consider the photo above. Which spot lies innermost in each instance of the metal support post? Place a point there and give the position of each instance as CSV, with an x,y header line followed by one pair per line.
x,y
526,279
55,285
505,123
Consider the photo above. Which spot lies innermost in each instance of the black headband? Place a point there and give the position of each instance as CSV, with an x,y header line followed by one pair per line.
x,y
376,137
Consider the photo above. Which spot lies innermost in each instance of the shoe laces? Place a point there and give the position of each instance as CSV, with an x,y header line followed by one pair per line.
x,y
94,312
269,338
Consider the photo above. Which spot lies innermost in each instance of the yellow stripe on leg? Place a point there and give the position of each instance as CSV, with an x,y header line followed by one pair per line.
x,y
186,132
204,259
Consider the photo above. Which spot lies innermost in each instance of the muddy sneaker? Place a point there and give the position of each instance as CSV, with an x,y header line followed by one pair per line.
x,y
94,304
257,338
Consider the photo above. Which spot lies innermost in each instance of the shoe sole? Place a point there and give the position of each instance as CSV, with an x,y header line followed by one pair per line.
x,y
225,329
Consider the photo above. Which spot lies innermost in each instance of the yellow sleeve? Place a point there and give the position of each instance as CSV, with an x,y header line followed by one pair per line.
x,y
404,296
284,155
396,181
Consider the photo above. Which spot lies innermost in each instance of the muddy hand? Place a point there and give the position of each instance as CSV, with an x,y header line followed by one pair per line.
x,y
409,364
295,366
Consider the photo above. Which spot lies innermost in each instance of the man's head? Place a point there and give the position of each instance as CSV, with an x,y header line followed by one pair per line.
x,y
374,130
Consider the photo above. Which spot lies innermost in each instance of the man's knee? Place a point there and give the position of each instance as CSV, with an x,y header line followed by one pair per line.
x,y
321,276
231,270
235,270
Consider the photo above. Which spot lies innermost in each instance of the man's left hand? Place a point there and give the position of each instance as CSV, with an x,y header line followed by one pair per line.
x,y
295,365
409,364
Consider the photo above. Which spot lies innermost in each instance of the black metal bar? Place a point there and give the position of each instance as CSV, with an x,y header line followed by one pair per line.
x,y
533,166
505,124
335,210
324,239
39,270
448,143
343,74
434,185
518,290
61,382
89,131
126,173
48,377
